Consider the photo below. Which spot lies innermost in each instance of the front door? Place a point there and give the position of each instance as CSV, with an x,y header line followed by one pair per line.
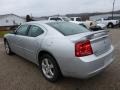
x,y
18,40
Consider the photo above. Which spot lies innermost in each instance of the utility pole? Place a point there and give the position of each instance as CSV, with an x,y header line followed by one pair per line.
x,y
113,8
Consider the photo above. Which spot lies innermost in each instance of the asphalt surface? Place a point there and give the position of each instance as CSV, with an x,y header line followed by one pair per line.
x,y
17,73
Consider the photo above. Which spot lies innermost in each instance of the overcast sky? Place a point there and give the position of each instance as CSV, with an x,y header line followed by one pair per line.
x,y
51,7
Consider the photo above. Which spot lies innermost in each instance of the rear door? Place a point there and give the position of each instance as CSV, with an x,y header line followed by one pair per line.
x,y
33,42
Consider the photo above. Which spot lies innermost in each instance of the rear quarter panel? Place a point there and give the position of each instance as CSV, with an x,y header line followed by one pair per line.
x,y
61,48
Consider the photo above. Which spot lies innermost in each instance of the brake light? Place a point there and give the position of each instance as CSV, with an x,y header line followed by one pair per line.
x,y
83,48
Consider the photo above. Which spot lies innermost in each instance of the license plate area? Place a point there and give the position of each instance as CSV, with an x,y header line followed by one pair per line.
x,y
101,46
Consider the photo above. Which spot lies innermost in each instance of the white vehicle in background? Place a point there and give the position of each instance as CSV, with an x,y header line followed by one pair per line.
x,y
57,18
89,24
107,22
77,20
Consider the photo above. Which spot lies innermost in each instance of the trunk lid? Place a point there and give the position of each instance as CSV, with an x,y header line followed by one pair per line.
x,y
100,41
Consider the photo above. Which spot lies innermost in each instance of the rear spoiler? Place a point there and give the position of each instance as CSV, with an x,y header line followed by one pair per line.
x,y
101,31
88,35
98,34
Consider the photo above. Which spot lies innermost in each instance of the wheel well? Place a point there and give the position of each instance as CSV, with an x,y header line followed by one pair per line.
x,y
5,39
46,52
110,23
42,53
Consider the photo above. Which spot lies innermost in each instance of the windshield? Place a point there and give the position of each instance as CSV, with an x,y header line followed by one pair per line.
x,y
67,28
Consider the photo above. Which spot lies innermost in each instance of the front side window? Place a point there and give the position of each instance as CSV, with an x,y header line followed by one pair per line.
x,y
52,19
22,30
106,19
56,19
98,20
72,19
35,31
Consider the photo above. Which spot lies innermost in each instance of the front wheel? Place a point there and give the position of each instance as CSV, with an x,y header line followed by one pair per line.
x,y
7,48
49,68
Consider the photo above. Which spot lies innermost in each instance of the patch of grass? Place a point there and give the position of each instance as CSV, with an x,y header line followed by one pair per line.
x,y
2,33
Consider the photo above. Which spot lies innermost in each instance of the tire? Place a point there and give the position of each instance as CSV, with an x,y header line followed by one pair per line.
x,y
7,48
110,25
49,68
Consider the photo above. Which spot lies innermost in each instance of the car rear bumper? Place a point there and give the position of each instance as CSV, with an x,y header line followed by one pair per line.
x,y
89,66
94,72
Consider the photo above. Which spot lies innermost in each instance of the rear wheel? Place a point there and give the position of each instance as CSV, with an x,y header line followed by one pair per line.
x,y
7,48
49,68
110,25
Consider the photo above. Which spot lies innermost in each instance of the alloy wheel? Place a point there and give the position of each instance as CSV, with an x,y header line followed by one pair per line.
x,y
48,68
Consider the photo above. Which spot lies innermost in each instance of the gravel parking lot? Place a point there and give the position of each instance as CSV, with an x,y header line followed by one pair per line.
x,y
17,73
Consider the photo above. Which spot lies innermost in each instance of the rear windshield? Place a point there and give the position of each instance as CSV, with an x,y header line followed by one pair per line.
x,y
68,28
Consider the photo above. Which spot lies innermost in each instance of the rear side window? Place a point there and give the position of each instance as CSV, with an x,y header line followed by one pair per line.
x,y
78,19
67,28
35,31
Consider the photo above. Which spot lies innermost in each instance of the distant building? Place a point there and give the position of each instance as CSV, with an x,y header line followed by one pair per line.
x,y
96,17
10,20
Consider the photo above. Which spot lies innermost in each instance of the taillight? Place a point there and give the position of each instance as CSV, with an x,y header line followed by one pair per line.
x,y
83,48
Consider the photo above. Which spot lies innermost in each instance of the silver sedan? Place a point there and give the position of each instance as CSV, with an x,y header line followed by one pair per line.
x,y
61,48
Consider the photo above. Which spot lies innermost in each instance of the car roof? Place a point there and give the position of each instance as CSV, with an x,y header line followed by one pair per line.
x,y
40,22
75,17
58,17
